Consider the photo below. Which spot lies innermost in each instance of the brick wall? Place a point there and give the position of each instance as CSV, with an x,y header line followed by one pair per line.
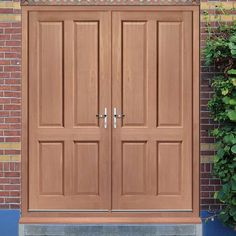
x,y
10,107
10,103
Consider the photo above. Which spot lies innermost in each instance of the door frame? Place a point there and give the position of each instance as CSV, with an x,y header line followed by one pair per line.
x,y
130,217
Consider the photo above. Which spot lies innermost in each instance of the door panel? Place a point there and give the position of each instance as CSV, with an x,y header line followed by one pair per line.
x,y
170,39
87,73
86,158
133,157
50,90
134,73
51,164
69,84
152,87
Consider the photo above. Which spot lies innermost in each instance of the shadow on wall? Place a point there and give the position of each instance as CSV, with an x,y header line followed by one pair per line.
x,y
215,228
9,222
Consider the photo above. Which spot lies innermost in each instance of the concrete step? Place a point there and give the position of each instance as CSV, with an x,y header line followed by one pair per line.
x,y
110,230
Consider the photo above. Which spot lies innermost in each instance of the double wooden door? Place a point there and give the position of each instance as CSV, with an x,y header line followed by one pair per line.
x,y
83,64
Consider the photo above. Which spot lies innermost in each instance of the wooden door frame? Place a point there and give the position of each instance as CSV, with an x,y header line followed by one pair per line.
x,y
78,217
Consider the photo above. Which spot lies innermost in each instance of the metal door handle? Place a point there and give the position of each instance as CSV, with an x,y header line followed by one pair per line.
x,y
103,116
115,116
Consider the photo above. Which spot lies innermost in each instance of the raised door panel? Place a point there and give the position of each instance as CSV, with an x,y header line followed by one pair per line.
x,y
86,73
152,87
51,90
86,168
51,162
169,166
170,49
134,73
133,157
69,84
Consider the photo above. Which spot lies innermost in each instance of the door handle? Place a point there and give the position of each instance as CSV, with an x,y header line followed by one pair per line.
x,y
104,116
115,116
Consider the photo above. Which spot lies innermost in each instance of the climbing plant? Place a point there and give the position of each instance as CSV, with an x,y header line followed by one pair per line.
x,y
220,51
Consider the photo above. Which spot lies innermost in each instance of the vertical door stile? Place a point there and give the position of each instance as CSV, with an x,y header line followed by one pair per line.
x,y
187,69
105,102
68,103
33,109
116,98
152,104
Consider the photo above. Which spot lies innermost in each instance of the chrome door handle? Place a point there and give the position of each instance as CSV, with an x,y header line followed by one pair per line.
x,y
115,116
103,116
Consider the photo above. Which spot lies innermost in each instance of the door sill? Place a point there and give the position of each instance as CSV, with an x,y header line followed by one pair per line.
x,y
110,220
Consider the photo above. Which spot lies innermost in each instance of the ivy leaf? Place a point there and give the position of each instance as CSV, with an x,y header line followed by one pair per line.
x,y
234,81
232,101
220,153
226,100
232,45
233,52
224,91
224,216
232,115
216,195
232,71
216,158
233,149
228,138
234,201
233,186
232,211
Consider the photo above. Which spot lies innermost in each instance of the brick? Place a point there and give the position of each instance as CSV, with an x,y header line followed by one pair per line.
x,y
12,200
12,187
12,174
12,30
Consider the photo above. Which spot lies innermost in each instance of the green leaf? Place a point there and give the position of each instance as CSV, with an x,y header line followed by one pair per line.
x,y
234,81
232,115
224,216
232,71
220,152
226,99
216,158
224,91
233,149
233,186
216,195
234,201
232,211
228,138
232,101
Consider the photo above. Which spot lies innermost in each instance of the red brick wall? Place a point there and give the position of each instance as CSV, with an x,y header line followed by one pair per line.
x,y
10,110
10,105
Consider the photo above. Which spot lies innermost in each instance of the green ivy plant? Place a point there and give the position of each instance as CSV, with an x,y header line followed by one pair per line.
x,y
220,51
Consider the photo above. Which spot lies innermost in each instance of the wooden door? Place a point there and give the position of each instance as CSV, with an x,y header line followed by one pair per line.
x,y
69,84
152,86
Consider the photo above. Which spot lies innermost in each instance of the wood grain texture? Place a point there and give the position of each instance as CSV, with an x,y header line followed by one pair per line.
x,y
51,162
75,174
86,168
163,59
87,73
170,69
134,73
51,78
133,158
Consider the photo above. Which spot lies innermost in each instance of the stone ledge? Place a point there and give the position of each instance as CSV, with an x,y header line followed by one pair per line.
x,y
110,230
